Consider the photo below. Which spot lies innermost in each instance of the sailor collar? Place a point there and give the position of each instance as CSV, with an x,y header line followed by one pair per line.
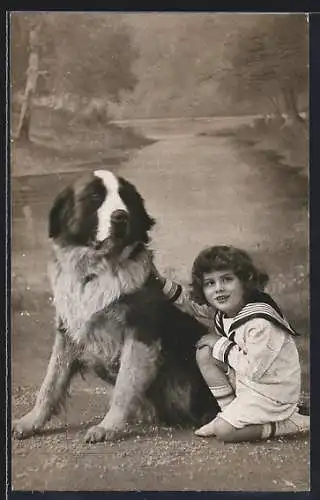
x,y
253,310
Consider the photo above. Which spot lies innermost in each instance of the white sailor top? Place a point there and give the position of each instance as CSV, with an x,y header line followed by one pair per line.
x,y
259,346
257,343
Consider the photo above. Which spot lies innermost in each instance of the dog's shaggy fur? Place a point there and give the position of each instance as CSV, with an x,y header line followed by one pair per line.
x,y
112,316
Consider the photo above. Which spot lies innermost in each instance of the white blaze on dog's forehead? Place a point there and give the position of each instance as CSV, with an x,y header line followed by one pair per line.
x,y
112,202
108,178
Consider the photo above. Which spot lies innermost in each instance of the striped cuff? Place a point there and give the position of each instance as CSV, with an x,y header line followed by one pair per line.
x,y
172,290
222,348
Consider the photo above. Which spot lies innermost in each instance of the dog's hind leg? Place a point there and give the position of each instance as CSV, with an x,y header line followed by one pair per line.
x,y
53,391
138,368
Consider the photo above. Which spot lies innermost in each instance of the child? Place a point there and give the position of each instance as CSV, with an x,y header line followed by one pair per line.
x,y
249,360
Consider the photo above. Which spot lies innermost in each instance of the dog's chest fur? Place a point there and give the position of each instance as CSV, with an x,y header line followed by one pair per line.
x,y
85,285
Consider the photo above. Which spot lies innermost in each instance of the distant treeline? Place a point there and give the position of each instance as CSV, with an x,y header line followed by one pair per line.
x,y
158,65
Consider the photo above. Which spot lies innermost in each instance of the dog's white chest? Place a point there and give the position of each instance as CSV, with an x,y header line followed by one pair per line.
x,y
83,286
76,300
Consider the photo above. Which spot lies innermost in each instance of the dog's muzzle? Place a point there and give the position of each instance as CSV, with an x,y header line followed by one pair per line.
x,y
119,222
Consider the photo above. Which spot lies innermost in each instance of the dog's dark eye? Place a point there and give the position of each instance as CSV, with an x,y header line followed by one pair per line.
x,y
95,197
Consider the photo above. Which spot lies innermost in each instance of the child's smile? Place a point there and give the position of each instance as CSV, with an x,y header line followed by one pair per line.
x,y
224,291
222,299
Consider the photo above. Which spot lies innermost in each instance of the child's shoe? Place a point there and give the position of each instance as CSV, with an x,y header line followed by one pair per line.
x,y
206,430
296,424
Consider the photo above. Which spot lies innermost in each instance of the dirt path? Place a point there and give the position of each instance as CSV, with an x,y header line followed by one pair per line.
x,y
200,193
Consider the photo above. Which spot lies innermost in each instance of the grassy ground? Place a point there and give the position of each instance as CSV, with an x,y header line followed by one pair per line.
x,y
59,143
271,140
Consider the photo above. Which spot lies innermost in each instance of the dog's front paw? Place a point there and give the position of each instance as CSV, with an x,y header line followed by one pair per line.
x,y
97,433
24,427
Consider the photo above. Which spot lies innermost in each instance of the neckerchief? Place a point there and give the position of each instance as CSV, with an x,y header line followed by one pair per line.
x,y
259,305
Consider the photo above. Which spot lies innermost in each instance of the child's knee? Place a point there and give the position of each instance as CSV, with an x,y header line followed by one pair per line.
x,y
204,355
204,358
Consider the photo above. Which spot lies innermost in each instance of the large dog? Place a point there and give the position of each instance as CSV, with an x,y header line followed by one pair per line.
x,y
112,316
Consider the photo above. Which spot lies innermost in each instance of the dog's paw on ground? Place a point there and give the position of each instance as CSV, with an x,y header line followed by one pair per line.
x,y
97,433
23,428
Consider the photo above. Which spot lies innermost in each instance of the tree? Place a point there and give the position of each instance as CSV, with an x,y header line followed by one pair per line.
x,y
31,85
180,58
93,55
26,31
269,60
84,56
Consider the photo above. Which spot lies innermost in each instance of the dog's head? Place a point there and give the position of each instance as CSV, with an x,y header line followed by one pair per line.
x,y
101,210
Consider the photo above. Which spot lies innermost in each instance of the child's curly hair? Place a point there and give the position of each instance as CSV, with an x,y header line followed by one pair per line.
x,y
223,257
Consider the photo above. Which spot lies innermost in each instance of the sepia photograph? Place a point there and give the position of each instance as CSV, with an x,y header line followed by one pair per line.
x,y
159,171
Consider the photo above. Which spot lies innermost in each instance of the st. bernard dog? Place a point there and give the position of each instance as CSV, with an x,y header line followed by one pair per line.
x,y
112,316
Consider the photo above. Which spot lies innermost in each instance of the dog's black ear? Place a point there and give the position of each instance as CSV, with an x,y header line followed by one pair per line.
x,y
59,213
146,221
142,222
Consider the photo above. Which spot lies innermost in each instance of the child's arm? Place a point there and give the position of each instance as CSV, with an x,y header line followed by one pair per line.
x,y
181,298
263,342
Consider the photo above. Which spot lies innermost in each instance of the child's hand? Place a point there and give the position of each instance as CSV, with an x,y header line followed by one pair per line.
x,y
208,340
157,275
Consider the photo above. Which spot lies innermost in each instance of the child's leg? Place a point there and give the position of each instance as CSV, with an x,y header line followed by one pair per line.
x,y
223,430
228,433
215,375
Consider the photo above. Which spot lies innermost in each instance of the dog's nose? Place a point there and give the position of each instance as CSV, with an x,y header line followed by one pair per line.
x,y
119,216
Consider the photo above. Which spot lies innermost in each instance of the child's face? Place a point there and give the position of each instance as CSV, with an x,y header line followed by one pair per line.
x,y
224,291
